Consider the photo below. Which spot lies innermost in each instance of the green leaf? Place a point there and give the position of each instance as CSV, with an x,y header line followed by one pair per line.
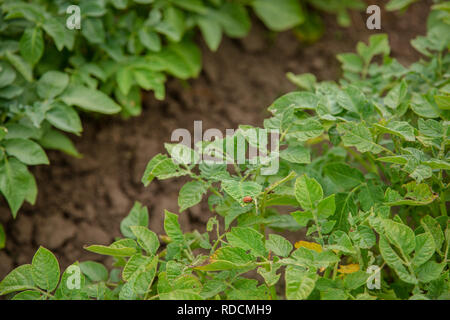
x,y
279,245
326,207
182,60
89,99
305,130
397,95
355,280
429,271
397,5
17,184
302,217
28,295
308,192
32,45
93,30
359,136
161,167
147,239
173,24
182,154
26,151
395,262
112,250
211,31
238,190
343,176
56,29
228,258
351,99
138,216
124,79
280,15
172,227
54,139
150,80
299,283
149,39
191,194
437,164
233,18
424,106
364,237
306,81
434,229
196,6
23,67
399,128
94,271
443,102
17,280
378,44
425,248
64,117
295,100
247,239
417,195
351,62
400,235
45,270
7,74
133,266
51,84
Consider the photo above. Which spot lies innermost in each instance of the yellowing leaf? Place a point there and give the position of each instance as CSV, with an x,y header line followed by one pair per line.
x,y
350,268
309,245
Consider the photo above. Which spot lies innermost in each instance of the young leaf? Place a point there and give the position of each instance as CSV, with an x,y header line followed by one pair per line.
x,y
45,270
279,16
238,190
308,192
279,245
32,45
147,239
343,176
64,118
17,184
299,283
138,216
89,100
17,280
359,136
191,194
247,239
26,151
94,271
172,227
51,84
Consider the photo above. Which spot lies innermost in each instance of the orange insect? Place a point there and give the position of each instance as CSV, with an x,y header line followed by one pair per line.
x,y
247,199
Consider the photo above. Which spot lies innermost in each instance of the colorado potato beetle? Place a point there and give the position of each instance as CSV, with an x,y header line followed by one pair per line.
x,y
247,199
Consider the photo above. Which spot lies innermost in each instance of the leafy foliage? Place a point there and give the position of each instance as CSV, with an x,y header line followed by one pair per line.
x,y
370,191
48,72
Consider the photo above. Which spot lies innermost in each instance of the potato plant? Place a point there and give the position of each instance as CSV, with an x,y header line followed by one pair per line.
x,y
363,170
50,69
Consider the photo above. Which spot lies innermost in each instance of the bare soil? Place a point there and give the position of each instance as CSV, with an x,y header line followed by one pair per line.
x,y
82,202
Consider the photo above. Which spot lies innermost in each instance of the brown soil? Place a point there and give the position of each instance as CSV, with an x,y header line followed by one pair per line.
x,y
83,201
